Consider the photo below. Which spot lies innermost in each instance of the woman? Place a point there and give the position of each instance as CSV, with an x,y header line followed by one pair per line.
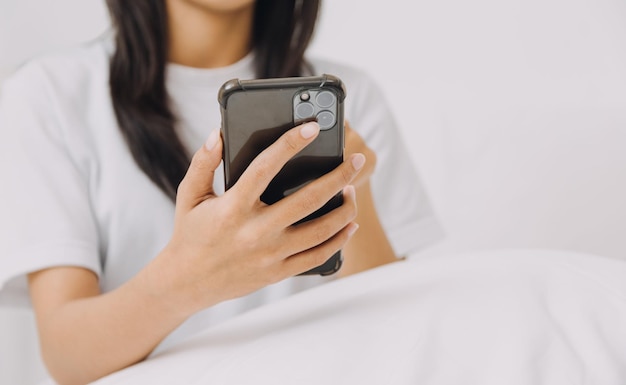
x,y
122,242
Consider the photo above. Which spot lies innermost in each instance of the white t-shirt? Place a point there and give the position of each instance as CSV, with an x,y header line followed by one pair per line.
x,y
72,194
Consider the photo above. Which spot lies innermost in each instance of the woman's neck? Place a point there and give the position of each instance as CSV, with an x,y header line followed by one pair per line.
x,y
205,38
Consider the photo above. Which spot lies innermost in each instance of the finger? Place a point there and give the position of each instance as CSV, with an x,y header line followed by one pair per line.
x,y
313,196
197,184
268,163
354,143
316,256
314,232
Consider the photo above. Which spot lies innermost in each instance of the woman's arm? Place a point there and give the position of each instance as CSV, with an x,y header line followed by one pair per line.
x,y
370,246
85,335
222,248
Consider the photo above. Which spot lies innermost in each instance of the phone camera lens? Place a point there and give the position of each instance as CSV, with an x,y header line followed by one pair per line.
x,y
305,110
305,96
325,99
326,120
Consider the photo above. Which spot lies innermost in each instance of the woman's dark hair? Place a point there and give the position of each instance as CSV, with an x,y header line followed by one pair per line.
x,y
282,30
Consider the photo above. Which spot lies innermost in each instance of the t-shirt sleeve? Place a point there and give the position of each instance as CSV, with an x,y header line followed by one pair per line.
x,y
46,218
399,196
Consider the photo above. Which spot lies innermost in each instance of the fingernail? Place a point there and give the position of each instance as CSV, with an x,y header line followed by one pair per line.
x,y
212,139
350,191
352,228
309,130
358,160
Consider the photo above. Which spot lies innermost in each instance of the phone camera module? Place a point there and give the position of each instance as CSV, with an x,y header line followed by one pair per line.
x,y
305,110
326,120
318,104
325,99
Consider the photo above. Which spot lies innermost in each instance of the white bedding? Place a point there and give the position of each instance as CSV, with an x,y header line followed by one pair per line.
x,y
502,317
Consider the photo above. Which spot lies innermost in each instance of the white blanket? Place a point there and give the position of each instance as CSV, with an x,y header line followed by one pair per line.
x,y
502,317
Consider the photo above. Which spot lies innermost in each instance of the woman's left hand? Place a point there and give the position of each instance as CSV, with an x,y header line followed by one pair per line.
x,y
370,246
356,144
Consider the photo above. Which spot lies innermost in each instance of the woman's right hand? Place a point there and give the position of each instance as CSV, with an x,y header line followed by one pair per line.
x,y
228,246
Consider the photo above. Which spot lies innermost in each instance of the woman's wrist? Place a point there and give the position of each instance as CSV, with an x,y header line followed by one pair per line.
x,y
162,285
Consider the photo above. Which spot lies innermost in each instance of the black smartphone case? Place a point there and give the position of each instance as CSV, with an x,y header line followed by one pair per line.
x,y
255,113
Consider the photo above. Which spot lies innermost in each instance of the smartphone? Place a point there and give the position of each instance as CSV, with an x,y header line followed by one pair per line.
x,y
255,113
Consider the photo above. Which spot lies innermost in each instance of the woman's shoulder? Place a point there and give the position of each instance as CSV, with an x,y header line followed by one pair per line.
x,y
68,71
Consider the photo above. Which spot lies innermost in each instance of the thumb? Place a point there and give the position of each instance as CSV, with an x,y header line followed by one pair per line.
x,y
197,185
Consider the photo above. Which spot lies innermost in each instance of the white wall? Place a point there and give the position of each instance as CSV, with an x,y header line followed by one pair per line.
x,y
32,27
514,111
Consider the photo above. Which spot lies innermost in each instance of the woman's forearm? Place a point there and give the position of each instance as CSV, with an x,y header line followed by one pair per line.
x,y
86,338
369,247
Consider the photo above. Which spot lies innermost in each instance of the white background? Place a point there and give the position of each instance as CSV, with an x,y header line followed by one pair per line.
x,y
514,111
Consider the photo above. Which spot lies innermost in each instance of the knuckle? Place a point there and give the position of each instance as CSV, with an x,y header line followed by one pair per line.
x,y
260,169
314,258
346,175
309,202
249,238
319,257
321,233
230,214
291,143
266,260
199,161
